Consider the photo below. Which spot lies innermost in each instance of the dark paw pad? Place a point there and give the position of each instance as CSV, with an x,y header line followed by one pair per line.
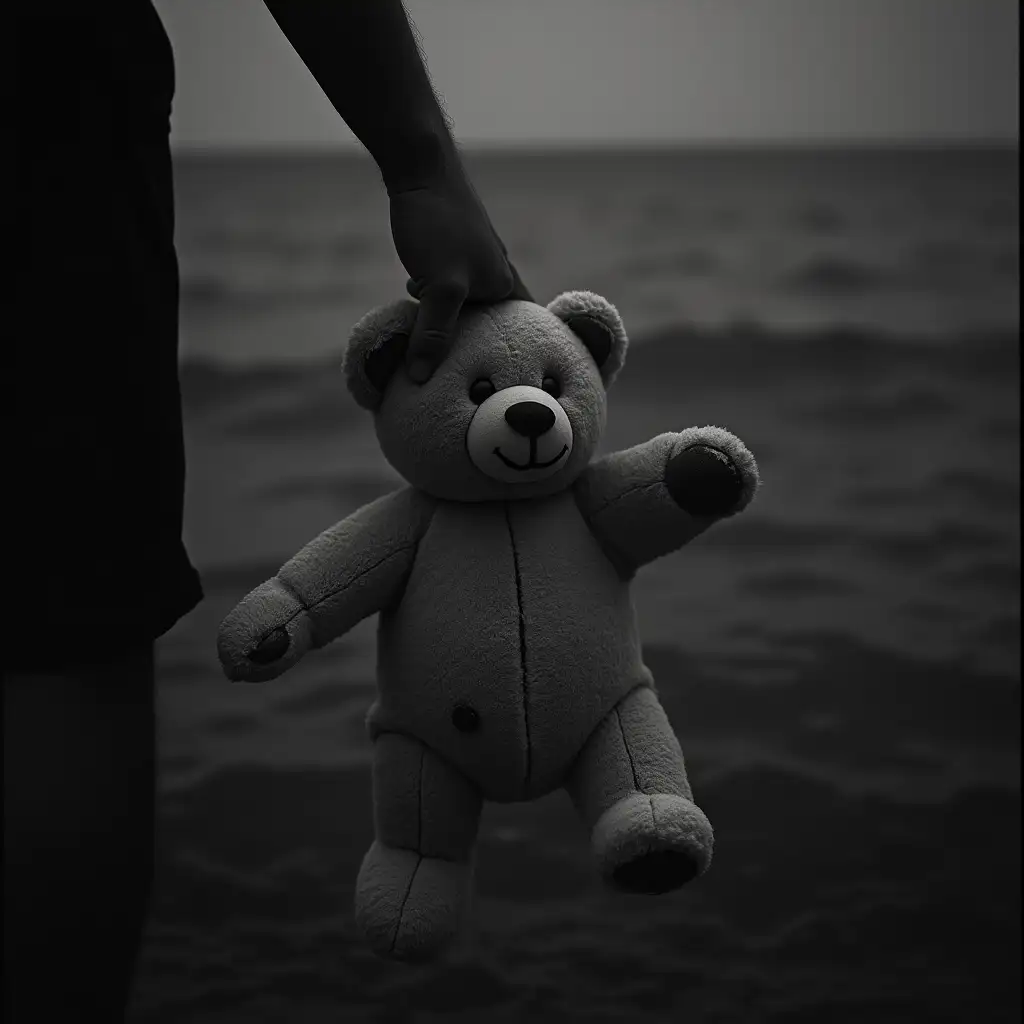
x,y
656,872
270,648
703,481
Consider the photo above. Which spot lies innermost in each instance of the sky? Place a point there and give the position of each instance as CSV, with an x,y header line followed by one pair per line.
x,y
620,72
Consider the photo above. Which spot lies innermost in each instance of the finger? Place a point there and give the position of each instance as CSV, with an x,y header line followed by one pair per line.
x,y
414,286
519,290
440,305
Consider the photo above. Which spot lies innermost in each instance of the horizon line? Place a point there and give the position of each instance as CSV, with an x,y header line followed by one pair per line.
x,y
529,147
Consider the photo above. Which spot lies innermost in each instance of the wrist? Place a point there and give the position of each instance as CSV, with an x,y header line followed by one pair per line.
x,y
420,159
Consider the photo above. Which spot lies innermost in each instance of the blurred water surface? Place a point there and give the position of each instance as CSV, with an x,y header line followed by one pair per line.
x,y
841,662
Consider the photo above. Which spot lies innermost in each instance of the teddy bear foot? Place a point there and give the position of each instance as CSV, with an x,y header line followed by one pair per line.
x,y
409,907
652,843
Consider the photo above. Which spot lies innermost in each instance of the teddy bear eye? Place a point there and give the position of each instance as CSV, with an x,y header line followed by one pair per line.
x,y
480,391
551,386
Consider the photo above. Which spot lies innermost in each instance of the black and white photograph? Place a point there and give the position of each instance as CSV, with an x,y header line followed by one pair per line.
x,y
515,513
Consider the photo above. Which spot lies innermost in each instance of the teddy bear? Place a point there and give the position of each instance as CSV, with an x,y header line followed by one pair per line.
x,y
508,653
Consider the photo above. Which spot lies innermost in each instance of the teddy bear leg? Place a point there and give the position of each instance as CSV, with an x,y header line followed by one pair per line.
x,y
629,785
414,880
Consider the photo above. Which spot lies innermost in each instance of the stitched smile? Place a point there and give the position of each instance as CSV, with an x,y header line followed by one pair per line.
x,y
531,464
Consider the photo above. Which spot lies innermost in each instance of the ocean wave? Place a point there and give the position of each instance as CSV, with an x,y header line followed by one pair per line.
x,y
752,534
952,264
351,491
754,352
821,219
210,291
1003,429
875,702
939,267
990,492
1000,577
933,613
1006,264
754,355
238,578
692,262
983,491
830,796
291,245
316,701
1003,631
661,210
310,412
795,583
839,277
245,897
928,548
206,383
867,412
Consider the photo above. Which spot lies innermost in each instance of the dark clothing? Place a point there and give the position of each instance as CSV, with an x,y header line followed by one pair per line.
x,y
80,758
95,543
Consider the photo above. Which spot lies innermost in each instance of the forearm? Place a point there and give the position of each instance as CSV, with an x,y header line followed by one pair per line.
x,y
364,56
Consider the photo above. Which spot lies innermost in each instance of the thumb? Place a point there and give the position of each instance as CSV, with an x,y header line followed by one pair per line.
x,y
440,305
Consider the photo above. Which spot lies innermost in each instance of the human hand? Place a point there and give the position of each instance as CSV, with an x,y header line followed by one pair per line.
x,y
453,255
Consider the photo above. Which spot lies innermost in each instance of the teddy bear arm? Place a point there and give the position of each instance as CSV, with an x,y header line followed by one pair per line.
x,y
265,634
352,570
359,566
647,501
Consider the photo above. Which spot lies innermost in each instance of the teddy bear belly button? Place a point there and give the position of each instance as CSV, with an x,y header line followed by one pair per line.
x,y
465,718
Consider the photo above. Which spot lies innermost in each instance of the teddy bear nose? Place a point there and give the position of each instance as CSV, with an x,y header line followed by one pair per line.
x,y
531,419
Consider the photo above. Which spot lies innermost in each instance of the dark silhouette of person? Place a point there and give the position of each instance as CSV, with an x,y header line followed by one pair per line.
x,y
96,566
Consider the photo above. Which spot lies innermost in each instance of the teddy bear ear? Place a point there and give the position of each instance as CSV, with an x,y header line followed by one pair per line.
x,y
596,322
376,349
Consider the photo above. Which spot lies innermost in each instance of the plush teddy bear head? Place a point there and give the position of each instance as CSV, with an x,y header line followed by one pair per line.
x,y
515,410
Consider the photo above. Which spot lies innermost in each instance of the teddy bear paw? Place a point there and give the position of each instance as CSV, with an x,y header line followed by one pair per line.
x,y
652,843
409,907
703,481
271,647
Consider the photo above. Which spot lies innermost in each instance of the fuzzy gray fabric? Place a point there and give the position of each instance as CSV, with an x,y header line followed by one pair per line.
x,y
509,658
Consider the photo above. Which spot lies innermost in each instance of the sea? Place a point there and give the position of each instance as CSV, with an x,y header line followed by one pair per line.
x,y
841,662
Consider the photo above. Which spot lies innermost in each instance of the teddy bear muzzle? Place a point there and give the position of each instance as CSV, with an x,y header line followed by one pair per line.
x,y
520,434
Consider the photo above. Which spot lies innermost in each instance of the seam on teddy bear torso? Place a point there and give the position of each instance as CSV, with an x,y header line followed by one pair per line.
x,y
522,644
